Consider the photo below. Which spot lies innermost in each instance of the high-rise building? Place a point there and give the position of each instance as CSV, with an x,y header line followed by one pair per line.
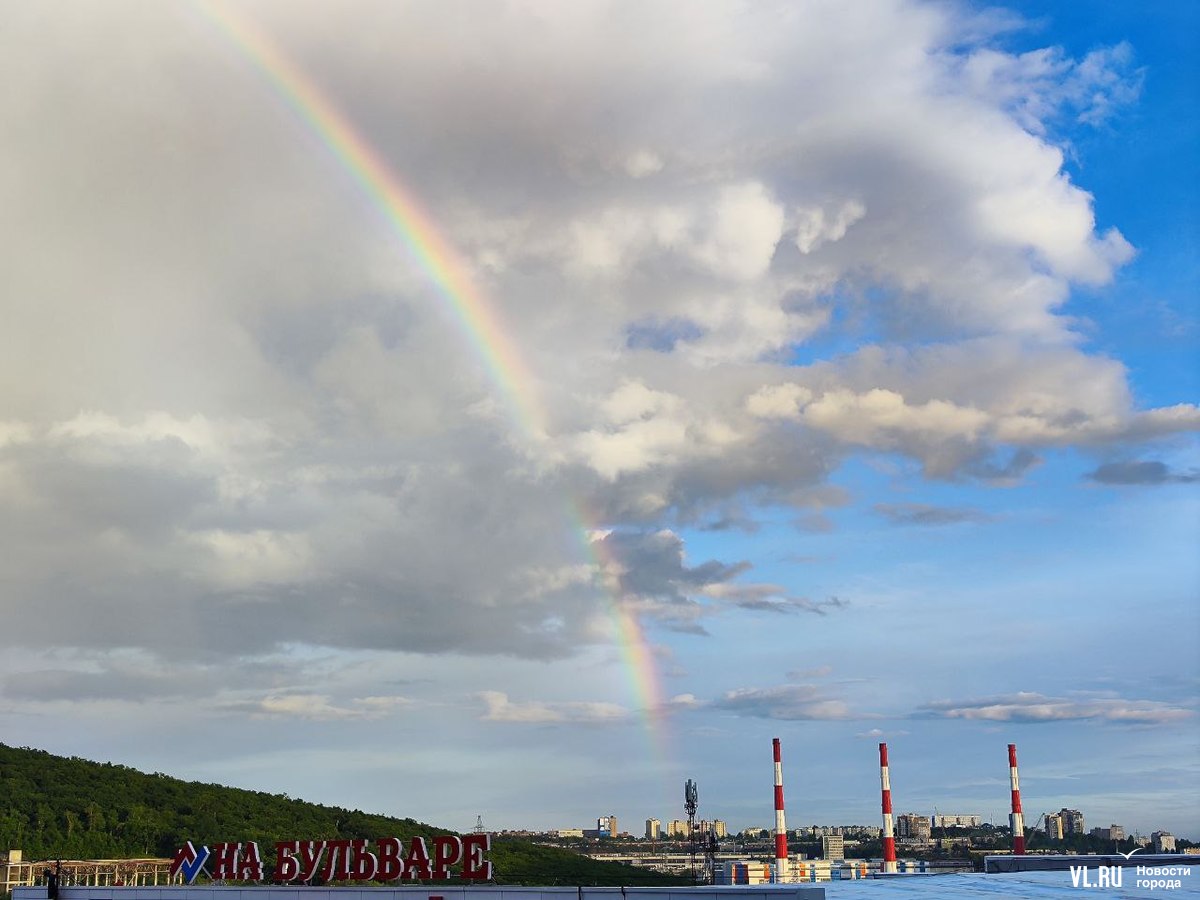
x,y
677,829
653,829
833,846
1072,821
606,826
1163,841
719,829
1054,826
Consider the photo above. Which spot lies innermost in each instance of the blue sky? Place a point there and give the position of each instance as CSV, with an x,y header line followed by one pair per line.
x,y
866,337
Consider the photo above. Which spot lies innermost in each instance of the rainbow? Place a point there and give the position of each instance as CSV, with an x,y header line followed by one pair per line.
x,y
636,655
475,317
448,271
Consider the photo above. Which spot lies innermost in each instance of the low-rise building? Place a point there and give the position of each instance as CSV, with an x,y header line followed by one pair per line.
x,y
742,871
957,821
1072,821
1054,826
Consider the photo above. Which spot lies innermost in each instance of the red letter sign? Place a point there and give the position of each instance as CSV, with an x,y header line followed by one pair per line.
x,y
417,864
475,866
391,864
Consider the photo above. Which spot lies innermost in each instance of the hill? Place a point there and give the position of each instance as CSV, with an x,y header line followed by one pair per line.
x,y
70,808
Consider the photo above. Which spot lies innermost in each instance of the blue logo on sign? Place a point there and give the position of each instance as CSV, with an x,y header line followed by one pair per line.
x,y
189,862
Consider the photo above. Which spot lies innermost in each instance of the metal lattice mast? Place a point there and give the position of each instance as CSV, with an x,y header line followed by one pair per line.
x,y
691,798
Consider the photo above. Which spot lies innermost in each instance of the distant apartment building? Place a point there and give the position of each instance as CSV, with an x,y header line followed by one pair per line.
x,y
1111,833
913,826
1163,841
957,821
808,832
833,846
677,829
716,828
653,829
1054,826
1072,820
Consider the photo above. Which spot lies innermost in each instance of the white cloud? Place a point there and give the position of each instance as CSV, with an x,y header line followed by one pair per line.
x,y
320,707
815,225
788,702
643,162
1027,706
744,225
499,708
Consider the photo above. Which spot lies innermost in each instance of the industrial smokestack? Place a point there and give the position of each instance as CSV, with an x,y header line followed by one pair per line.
x,y
1017,820
889,835
781,851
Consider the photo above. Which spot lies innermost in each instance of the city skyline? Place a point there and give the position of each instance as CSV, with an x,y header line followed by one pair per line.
x,y
514,410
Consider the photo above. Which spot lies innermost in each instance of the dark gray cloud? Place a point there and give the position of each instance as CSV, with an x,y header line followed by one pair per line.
x,y
652,565
83,686
1146,472
1002,470
771,598
141,677
660,336
789,702
920,514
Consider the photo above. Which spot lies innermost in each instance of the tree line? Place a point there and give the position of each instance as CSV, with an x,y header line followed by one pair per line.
x,y
54,807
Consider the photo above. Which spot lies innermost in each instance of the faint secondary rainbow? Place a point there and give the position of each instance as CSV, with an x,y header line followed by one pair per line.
x,y
451,275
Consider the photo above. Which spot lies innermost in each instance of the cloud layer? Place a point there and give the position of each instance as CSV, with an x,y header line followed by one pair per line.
x,y
251,405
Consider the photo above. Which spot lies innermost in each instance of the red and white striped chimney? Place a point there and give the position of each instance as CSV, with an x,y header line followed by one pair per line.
x,y
1017,820
781,851
889,835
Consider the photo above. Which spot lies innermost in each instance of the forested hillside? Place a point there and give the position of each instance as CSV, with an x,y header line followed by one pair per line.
x,y
54,807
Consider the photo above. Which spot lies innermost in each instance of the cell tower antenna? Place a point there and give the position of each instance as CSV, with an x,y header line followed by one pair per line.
x,y
691,799
479,829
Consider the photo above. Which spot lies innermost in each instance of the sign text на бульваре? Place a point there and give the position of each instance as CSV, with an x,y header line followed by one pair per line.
x,y
349,859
